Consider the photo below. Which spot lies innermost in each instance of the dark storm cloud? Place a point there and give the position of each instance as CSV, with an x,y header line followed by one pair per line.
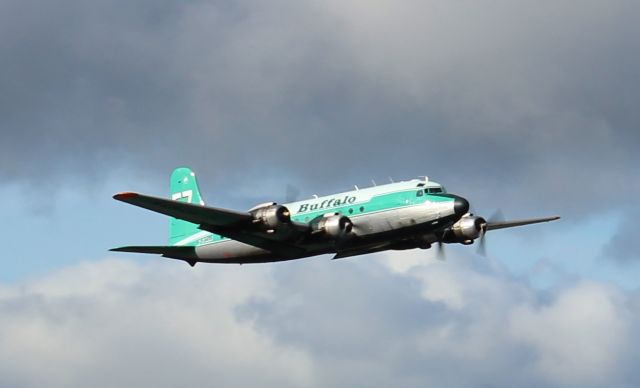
x,y
82,82
515,103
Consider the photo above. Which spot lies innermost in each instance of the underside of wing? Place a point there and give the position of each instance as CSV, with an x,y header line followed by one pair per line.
x,y
512,224
360,251
281,241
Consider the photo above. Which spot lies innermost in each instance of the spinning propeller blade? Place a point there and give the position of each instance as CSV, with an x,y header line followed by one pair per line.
x,y
496,217
440,253
292,193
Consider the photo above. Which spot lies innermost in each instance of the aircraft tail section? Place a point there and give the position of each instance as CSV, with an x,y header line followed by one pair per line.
x,y
184,188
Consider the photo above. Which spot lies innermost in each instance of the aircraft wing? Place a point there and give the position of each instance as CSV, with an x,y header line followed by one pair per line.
x,y
228,223
186,211
511,224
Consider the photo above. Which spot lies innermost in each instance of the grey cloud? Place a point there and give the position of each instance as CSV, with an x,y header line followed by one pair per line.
x,y
532,99
375,322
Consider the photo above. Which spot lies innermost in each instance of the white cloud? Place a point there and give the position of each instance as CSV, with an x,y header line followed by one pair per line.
x,y
114,323
579,338
458,323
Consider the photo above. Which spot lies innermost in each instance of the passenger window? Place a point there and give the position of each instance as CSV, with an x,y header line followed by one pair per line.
x,y
420,193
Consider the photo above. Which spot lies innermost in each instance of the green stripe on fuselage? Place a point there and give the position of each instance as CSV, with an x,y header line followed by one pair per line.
x,y
375,202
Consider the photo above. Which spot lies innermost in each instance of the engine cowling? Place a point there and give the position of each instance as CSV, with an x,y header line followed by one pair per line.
x,y
334,226
271,216
467,229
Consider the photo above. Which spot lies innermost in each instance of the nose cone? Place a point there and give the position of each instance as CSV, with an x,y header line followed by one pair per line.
x,y
460,206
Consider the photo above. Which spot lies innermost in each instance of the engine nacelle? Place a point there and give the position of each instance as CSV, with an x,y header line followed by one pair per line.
x,y
467,229
334,226
271,216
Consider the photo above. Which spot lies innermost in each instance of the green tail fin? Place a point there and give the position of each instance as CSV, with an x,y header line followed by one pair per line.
x,y
184,188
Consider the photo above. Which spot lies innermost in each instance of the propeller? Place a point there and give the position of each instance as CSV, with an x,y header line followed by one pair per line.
x,y
292,193
440,253
497,216
482,245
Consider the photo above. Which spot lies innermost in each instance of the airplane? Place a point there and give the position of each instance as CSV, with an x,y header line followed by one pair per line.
x,y
397,216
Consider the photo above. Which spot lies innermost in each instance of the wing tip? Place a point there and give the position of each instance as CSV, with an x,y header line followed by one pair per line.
x,y
125,195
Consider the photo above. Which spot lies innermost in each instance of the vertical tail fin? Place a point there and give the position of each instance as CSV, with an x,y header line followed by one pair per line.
x,y
184,188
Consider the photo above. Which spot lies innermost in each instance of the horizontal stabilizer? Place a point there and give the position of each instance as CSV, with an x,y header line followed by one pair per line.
x,y
166,251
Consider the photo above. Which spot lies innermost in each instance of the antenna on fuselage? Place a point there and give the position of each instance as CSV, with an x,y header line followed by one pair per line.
x,y
356,187
391,180
374,182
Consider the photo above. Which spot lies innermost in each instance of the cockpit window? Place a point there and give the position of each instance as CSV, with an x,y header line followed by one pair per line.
x,y
433,190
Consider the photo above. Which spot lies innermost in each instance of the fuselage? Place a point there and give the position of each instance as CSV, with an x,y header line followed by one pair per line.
x,y
400,215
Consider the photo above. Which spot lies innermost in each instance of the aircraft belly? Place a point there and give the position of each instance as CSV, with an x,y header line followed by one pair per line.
x,y
229,249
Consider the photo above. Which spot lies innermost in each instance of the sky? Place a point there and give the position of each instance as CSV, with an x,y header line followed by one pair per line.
x,y
528,107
